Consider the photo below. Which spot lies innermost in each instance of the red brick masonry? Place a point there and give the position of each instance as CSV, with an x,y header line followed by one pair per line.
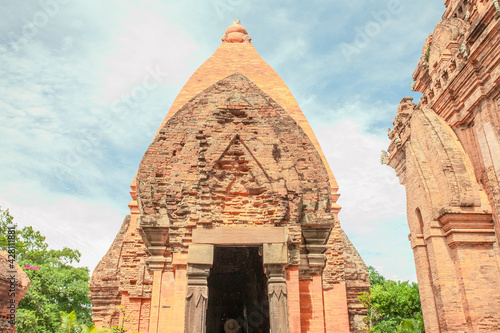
x,y
445,151
234,163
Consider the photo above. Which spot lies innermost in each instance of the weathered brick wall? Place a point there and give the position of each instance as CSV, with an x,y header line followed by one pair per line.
x,y
104,284
121,273
458,75
334,271
450,222
231,155
446,152
242,58
234,150
357,282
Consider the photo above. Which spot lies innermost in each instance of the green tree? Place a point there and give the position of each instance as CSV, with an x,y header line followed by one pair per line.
x,y
69,322
375,277
412,325
390,304
55,284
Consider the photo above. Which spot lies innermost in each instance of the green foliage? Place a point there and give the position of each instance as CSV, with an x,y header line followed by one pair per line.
x,y
69,323
395,300
386,326
375,277
55,285
412,325
91,329
428,52
391,305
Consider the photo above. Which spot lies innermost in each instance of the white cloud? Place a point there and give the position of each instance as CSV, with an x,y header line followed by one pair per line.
x,y
62,170
53,113
370,191
86,225
373,202
145,43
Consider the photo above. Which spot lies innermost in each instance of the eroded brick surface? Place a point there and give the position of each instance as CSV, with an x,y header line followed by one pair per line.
x,y
235,156
120,273
445,151
234,151
357,282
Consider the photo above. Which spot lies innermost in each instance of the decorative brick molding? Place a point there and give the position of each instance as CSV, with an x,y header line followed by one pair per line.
x,y
446,151
234,165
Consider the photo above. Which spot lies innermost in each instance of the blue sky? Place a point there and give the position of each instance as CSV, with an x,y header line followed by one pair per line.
x,y
68,155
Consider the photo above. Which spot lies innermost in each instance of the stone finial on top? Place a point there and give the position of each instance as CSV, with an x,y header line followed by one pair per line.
x,y
236,33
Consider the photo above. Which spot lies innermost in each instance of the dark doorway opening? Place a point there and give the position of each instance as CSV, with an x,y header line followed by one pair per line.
x,y
237,291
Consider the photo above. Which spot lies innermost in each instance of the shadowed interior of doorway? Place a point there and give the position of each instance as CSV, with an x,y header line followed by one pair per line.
x,y
238,291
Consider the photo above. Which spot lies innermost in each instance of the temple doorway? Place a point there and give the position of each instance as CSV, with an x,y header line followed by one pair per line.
x,y
237,294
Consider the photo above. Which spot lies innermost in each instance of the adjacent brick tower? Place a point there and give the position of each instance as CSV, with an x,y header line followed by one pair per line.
x,y
446,151
233,224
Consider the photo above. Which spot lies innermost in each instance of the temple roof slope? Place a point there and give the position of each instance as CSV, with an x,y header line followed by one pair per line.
x,y
235,141
237,54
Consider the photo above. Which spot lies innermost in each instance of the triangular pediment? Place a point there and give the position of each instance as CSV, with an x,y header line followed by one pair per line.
x,y
236,101
232,155
240,167
240,188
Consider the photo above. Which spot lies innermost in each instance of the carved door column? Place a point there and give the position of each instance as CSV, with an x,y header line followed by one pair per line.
x,y
278,301
275,260
200,260
196,298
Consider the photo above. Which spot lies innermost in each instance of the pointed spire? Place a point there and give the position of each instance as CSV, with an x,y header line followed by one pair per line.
x,y
236,33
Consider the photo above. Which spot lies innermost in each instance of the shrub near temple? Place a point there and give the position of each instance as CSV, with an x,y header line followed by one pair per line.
x,y
392,306
55,284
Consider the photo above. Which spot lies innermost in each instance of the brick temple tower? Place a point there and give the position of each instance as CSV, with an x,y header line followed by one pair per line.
x,y
233,224
446,151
